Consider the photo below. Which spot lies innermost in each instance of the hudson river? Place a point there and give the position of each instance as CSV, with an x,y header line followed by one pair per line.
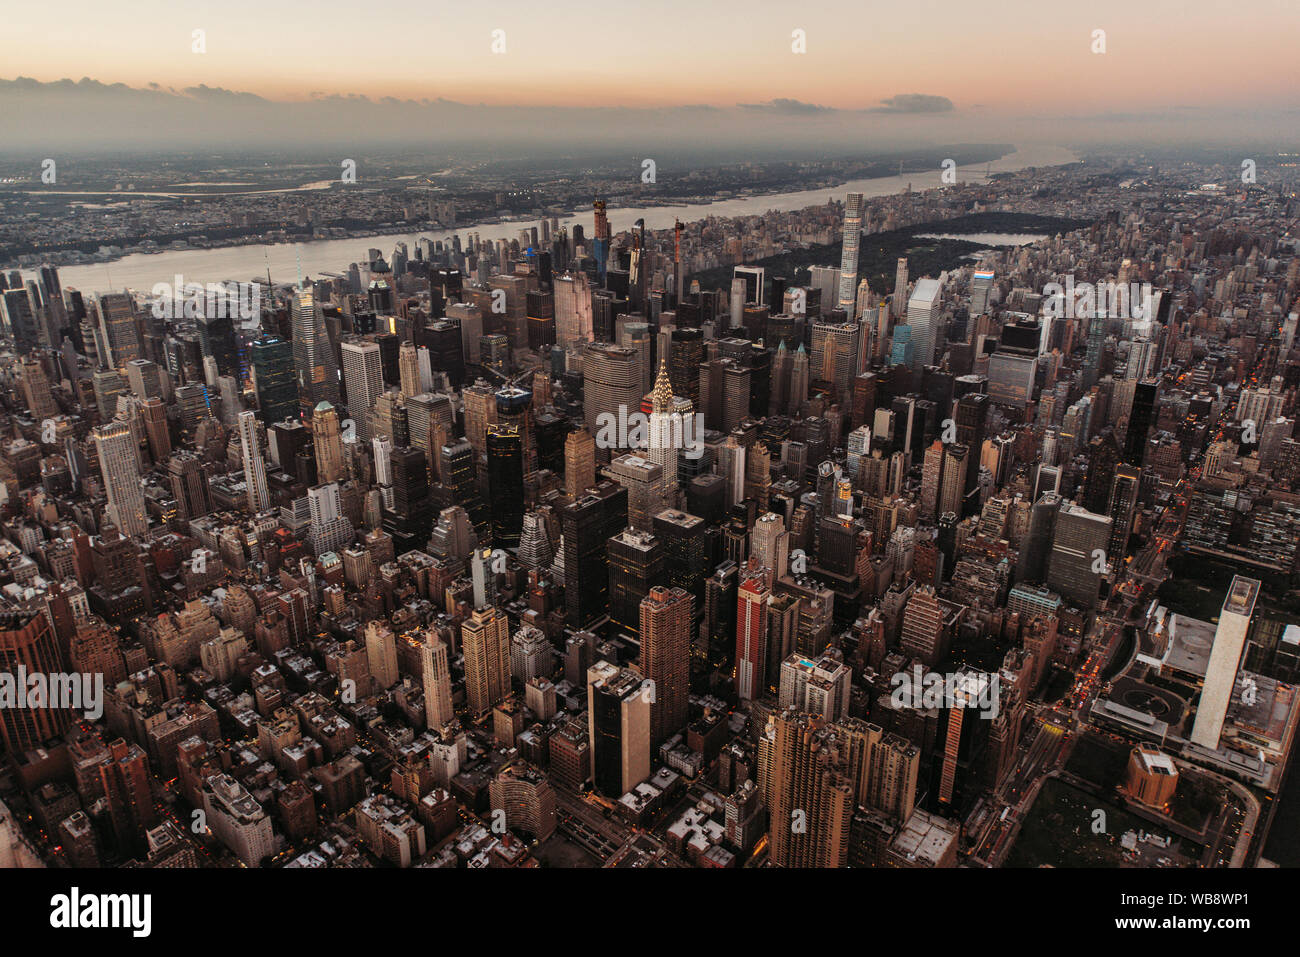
x,y
242,263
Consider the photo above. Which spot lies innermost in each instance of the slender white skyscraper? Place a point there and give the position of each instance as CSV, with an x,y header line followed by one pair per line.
x,y
737,302
259,498
980,286
900,288
849,255
483,578
1225,661
363,374
426,369
324,503
120,465
923,317
383,447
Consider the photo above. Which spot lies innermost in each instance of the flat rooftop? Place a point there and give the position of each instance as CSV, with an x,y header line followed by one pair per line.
x,y
1190,643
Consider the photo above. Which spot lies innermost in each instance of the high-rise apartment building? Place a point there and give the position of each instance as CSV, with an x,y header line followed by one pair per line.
x,y
485,642
809,797
848,291
259,498
666,620
381,655
28,644
751,636
818,687
769,544
126,785
237,819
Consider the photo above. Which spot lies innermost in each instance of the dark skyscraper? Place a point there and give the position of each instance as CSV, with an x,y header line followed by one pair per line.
x,y
505,457
217,333
446,353
685,551
540,308
618,714
1037,544
458,472
273,375
1122,507
636,562
410,520
1103,456
1140,420
588,524
20,321
971,415
687,354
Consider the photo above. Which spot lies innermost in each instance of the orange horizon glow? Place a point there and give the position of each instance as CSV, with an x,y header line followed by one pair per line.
x,y
1160,54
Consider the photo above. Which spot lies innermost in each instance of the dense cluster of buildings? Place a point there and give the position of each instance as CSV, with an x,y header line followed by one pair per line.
x,y
489,548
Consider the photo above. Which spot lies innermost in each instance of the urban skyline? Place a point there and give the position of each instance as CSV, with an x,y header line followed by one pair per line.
x,y
867,479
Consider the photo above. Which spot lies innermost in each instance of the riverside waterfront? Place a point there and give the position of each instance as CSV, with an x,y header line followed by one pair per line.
x,y
242,263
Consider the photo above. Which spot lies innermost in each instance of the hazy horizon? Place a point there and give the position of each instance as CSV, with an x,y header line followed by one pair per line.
x,y
678,74
38,117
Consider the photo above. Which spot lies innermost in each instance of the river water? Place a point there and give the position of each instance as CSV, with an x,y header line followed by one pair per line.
x,y
243,263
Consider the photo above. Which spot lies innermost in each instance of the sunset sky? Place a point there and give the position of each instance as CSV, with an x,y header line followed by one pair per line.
x,y
1012,56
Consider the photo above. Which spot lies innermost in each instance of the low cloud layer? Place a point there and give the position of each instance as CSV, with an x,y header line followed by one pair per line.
x,y
44,118
787,107
915,103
